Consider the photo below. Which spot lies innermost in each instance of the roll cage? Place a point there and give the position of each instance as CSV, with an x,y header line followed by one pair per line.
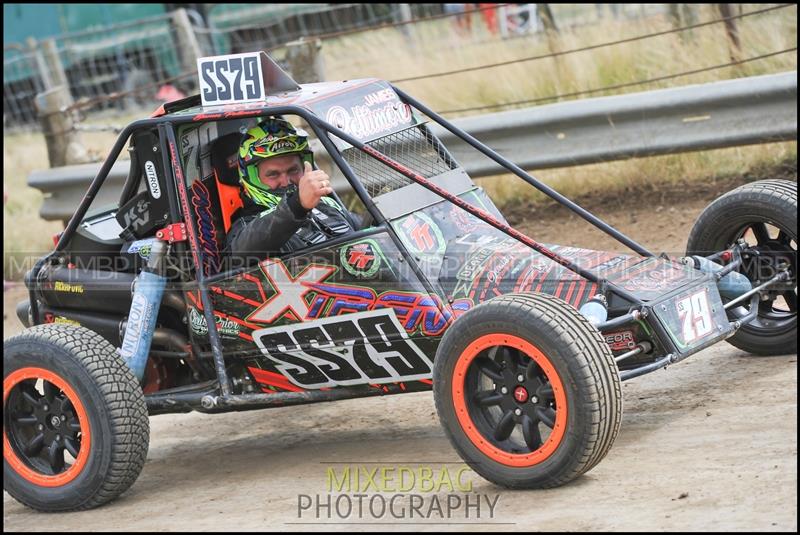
x,y
166,120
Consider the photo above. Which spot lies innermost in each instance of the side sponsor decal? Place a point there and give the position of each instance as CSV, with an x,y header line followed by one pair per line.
x,y
379,112
209,242
609,265
473,266
362,259
141,309
651,275
65,287
152,179
371,350
198,324
463,220
142,247
49,317
137,216
420,234
620,340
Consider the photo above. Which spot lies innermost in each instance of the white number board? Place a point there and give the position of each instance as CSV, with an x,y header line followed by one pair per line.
x,y
231,79
695,316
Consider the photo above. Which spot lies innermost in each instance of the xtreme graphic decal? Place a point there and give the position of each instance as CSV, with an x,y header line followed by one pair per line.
x,y
289,291
374,352
413,309
286,292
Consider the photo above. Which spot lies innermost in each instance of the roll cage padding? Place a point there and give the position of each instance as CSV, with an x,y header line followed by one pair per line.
x,y
225,162
230,200
216,198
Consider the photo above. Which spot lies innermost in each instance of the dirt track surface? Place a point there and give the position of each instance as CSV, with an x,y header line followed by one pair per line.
x,y
708,444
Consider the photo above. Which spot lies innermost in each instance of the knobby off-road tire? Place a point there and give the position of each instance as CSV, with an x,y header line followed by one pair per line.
x,y
545,430
765,214
75,423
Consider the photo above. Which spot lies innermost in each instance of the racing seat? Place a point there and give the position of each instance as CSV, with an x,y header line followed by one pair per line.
x,y
215,199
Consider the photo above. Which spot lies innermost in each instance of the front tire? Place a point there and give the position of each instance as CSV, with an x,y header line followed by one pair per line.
x,y
764,214
75,423
527,391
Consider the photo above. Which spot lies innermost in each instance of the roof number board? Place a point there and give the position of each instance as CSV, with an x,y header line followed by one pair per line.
x,y
231,79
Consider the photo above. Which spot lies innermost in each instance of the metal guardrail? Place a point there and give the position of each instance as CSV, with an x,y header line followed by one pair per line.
x,y
64,187
759,109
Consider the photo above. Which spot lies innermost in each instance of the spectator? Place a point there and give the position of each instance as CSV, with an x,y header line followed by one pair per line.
x,y
489,15
462,19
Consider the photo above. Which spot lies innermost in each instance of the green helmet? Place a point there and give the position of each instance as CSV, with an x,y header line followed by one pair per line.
x,y
271,137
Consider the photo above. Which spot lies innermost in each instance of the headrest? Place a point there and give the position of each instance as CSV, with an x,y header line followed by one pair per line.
x,y
225,158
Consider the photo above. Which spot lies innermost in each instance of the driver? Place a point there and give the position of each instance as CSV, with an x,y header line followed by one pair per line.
x,y
286,201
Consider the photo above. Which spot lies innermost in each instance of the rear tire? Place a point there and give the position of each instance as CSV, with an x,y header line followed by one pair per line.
x,y
75,423
545,430
764,213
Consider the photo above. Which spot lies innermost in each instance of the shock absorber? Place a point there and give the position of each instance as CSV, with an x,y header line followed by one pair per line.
x,y
147,294
731,285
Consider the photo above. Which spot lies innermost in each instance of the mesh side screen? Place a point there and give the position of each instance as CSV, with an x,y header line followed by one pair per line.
x,y
414,148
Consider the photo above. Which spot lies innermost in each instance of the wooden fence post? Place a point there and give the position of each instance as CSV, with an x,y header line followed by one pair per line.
x,y
734,46
53,64
64,146
188,46
305,61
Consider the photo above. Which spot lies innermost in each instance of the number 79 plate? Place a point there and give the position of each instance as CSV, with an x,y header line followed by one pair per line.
x,y
694,317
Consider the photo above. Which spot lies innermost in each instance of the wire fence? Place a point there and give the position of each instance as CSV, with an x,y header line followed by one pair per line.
x,y
343,19
144,62
586,48
139,64
616,86
119,60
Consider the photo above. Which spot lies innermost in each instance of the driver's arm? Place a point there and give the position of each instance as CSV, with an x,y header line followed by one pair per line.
x,y
258,235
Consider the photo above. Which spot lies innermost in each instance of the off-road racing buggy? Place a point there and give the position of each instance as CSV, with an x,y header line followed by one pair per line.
x,y
524,344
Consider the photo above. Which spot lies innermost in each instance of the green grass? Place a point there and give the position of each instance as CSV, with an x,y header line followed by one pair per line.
x,y
642,174
386,54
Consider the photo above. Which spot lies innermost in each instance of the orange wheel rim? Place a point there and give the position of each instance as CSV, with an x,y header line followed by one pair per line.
x,y
9,452
460,402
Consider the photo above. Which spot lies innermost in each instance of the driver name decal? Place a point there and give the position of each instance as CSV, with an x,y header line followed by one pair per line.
x,y
209,242
370,115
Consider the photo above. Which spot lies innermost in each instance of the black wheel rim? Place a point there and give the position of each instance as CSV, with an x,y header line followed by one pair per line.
x,y
771,246
42,426
510,399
